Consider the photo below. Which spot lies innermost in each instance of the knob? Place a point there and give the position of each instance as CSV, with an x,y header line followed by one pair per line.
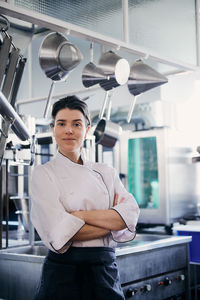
x,y
146,288
181,277
165,282
131,292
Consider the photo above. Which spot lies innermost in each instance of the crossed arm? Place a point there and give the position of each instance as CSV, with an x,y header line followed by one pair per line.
x,y
98,222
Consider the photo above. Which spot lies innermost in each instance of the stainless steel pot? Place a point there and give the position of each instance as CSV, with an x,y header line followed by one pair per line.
x,y
92,75
57,56
116,69
107,133
143,78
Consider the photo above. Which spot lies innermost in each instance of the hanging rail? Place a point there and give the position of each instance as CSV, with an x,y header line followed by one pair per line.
x,y
83,33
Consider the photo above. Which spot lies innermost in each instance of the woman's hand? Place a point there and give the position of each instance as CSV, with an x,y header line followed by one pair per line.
x,y
116,197
79,214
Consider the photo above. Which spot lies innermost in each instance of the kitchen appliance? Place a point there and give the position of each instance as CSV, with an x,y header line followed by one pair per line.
x,y
160,174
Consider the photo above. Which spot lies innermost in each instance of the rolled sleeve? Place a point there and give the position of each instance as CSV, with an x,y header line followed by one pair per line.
x,y
53,223
128,210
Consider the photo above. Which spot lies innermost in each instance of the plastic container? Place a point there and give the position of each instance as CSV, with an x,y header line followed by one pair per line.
x,y
194,245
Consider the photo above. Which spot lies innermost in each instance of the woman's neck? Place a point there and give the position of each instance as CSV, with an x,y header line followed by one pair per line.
x,y
75,157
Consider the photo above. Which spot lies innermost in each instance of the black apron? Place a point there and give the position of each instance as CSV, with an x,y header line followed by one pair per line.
x,y
81,273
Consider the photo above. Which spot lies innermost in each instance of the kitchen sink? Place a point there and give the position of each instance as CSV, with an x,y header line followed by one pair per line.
x,y
142,239
38,250
41,250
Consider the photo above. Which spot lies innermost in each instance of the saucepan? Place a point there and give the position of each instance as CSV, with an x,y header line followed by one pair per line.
x,y
142,78
92,74
106,132
116,69
57,57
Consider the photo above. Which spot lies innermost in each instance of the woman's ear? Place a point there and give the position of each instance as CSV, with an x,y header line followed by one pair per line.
x,y
52,128
87,129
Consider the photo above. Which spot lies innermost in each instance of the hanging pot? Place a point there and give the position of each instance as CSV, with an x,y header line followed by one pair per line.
x,y
92,75
116,69
107,133
57,56
143,78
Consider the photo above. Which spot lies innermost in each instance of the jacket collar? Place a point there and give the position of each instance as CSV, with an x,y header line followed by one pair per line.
x,y
68,161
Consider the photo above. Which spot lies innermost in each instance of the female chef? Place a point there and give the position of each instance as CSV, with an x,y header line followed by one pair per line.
x,y
81,210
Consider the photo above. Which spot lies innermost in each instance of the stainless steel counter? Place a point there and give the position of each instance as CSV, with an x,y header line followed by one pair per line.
x,y
144,257
144,242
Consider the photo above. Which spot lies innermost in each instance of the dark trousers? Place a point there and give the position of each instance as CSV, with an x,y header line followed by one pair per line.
x,y
88,273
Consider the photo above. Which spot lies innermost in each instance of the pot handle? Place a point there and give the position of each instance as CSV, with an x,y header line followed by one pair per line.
x,y
49,99
101,113
130,112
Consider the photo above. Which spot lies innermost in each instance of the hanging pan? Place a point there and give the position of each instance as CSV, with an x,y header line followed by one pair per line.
x,y
106,132
57,57
116,68
92,74
142,78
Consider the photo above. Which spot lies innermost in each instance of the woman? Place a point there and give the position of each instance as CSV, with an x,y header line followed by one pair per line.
x,y
81,210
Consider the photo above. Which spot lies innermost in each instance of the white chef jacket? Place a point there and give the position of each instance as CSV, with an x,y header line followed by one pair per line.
x,y
61,186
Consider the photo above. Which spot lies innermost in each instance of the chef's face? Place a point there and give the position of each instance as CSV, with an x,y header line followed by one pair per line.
x,y
70,130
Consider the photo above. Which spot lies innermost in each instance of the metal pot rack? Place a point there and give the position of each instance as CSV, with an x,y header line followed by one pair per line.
x,y
67,28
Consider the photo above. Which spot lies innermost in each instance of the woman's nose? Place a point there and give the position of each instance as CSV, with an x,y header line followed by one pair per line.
x,y
68,129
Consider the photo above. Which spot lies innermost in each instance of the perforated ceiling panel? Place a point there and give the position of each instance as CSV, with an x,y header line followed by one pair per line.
x,y
103,16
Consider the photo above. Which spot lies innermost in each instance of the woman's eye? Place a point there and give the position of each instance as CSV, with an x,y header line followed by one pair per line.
x,y
77,124
60,124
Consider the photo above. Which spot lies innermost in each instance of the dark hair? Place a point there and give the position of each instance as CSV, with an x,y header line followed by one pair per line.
x,y
71,102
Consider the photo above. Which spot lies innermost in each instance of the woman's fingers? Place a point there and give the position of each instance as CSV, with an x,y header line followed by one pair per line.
x,y
115,199
122,200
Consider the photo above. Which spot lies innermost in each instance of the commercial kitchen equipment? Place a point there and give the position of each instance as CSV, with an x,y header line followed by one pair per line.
x,y
160,174
151,267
